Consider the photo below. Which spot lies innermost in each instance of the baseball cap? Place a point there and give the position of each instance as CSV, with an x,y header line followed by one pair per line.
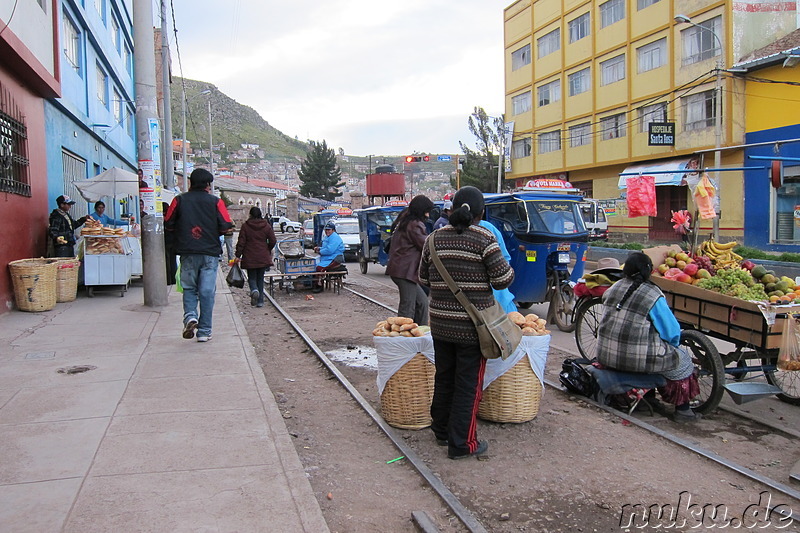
x,y
330,225
64,199
448,205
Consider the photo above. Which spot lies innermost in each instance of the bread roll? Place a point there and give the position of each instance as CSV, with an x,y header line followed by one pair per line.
x,y
408,327
516,317
529,331
382,324
393,334
406,334
400,320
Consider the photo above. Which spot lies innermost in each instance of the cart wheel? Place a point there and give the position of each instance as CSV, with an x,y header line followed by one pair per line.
x,y
709,370
362,262
588,315
524,305
561,307
788,381
90,292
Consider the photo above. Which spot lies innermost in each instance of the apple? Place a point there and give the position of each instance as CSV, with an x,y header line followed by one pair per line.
x,y
681,264
683,278
671,262
672,253
703,274
690,269
682,256
662,268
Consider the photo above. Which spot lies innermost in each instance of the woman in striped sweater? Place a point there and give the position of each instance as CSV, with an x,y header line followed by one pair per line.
x,y
473,258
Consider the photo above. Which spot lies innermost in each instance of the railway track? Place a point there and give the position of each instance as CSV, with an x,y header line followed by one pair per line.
x,y
367,294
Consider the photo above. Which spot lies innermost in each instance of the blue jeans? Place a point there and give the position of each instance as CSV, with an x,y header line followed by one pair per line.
x,y
199,281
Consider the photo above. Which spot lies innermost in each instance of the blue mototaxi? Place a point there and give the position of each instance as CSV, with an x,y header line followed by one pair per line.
x,y
320,219
375,224
545,235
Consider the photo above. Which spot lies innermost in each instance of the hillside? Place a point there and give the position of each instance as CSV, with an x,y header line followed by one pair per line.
x,y
233,123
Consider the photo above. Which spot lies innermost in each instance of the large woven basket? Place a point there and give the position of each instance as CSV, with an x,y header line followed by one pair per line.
x,y
406,399
67,279
513,397
34,283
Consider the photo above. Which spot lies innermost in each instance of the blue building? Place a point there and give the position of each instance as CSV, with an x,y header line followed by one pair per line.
x,y
92,126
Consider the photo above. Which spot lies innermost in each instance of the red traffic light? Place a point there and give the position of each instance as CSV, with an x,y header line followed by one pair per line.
x,y
417,158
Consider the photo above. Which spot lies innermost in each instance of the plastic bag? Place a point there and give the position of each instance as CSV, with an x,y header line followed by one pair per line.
x,y
178,286
641,196
789,356
235,277
703,196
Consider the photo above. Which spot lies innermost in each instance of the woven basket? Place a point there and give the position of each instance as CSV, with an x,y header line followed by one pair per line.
x,y
67,279
406,399
513,397
34,283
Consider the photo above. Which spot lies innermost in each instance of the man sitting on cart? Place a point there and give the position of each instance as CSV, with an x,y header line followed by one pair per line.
x,y
331,254
639,333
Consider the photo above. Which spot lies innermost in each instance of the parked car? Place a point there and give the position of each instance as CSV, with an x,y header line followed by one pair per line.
x,y
308,233
284,224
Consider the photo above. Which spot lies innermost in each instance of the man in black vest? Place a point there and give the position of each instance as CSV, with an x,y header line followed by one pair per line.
x,y
62,227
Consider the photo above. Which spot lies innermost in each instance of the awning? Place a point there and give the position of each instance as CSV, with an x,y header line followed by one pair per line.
x,y
665,172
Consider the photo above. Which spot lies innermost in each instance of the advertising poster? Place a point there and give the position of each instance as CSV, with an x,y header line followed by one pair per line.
x,y
509,139
147,181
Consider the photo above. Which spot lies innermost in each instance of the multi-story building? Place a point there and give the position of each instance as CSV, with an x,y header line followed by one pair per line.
x,y
585,79
29,73
91,127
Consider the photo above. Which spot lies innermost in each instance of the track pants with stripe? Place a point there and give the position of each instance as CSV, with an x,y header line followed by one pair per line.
x,y
458,388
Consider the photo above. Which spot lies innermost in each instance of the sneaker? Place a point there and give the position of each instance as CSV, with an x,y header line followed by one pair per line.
x,y
682,417
482,447
260,304
189,327
254,298
204,338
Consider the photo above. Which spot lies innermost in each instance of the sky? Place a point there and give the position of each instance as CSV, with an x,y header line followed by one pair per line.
x,y
374,77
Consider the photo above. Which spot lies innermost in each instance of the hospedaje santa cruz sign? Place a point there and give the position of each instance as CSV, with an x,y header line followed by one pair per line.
x,y
661,134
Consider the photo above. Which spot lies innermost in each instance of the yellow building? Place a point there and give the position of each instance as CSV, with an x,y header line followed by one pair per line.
x,y
586,79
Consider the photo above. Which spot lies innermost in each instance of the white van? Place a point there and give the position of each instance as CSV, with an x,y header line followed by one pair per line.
x,y
594,217
347,228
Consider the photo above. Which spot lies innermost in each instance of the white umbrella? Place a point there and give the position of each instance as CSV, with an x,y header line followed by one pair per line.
x,y
113,182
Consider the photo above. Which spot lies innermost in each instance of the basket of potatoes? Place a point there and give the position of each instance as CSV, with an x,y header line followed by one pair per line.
x,y
399,326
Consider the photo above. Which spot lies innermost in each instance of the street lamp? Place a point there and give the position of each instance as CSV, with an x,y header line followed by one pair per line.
x,y
683,19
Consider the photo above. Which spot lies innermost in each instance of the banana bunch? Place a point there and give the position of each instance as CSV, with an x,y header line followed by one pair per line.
x,y
721,255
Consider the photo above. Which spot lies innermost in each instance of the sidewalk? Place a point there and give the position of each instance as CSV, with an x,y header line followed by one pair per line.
x,y
165,434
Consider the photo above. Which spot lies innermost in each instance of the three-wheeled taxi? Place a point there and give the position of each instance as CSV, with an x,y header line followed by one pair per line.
x,y
322,217
374,224
546,237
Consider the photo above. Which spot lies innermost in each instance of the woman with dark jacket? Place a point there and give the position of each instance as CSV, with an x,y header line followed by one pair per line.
x,y
254,251
408,238
472,257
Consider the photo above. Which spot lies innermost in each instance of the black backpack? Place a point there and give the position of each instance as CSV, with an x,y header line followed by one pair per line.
x,y
577,379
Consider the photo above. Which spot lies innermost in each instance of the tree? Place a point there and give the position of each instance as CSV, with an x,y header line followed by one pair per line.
x,y
480,166
319,173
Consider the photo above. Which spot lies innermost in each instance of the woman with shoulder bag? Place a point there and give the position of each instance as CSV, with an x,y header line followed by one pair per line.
x,y
472,257
254,251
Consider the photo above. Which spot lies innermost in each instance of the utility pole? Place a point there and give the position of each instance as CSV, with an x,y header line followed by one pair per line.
x,y
154,275
210,142
168,172
184,150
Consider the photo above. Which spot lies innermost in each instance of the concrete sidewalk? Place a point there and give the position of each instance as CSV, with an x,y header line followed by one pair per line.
x,y
162,434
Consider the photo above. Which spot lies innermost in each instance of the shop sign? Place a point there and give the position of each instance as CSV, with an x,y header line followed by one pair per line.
x,y
396,203
661,134
547,183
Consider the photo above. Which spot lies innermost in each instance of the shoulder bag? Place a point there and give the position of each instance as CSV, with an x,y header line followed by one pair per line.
x,y
497,334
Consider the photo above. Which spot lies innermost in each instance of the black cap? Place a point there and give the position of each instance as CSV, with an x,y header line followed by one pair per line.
x,y
64,199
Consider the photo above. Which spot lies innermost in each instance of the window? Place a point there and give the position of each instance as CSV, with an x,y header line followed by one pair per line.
x,y
550,141
611,12
521,103
14,172
521,148
130,122
100,6
102,86
701,42
580,135
521,57
128,57
549,43
641,4
74,170
699,110
579,82
653,55
612,70
549,93
612,127
652,113
578,28
118,107
115,33
72,44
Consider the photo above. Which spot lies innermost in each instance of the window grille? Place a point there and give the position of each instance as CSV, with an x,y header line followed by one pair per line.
x,y
14,163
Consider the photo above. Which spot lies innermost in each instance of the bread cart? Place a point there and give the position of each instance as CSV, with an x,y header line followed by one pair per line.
x,y
106,263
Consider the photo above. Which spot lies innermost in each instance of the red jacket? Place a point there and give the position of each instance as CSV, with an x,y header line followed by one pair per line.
x,y
255,244
197,219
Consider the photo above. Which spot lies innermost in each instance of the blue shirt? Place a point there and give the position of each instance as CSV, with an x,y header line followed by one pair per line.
x,y
504,297
332,247
107,220
665,322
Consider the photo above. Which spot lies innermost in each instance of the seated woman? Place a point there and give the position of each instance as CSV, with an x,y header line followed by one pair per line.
x,y
639,333
100,215
331,254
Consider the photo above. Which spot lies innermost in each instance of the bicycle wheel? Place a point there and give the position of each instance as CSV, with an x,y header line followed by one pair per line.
x,y
588,315
788,381
562,306
709,370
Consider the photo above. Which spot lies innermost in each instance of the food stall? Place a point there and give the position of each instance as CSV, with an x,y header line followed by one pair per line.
x,y
106,256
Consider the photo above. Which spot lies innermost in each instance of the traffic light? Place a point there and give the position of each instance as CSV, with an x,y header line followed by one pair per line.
x,y
417,158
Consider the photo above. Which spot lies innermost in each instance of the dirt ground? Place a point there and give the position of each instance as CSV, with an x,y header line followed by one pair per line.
x,y
573,468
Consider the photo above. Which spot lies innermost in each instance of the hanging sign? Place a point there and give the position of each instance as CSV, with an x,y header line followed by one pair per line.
x,y
661,134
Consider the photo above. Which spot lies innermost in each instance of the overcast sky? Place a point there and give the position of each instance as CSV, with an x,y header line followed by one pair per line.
x,y
384,77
